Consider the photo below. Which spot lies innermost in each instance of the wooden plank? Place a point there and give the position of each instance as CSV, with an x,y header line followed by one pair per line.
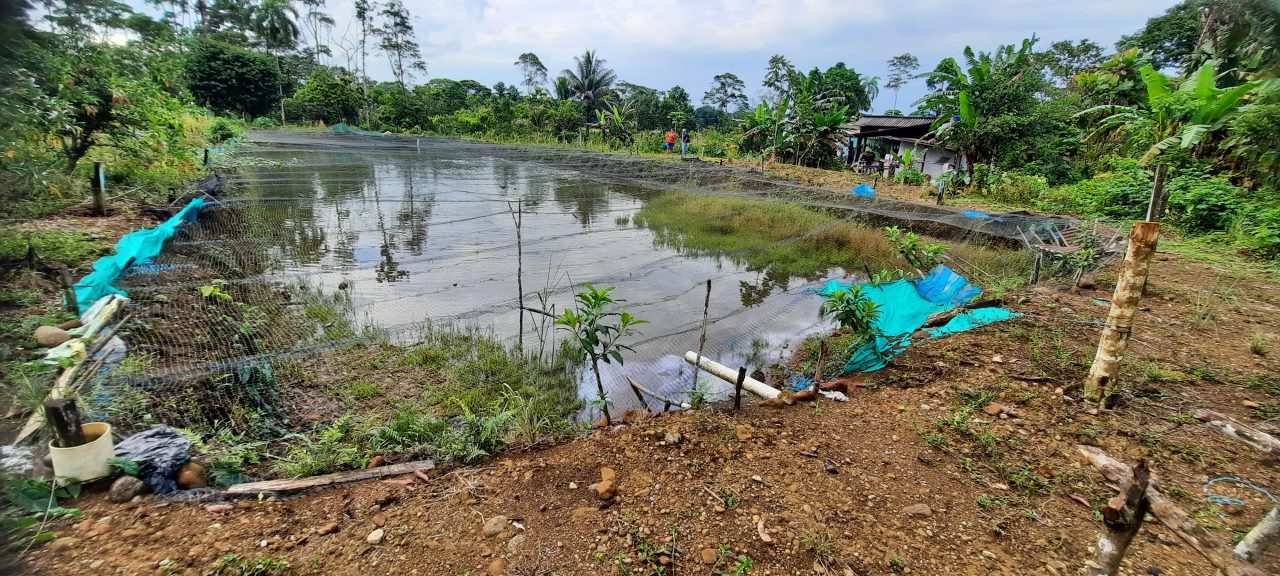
x,y
298,484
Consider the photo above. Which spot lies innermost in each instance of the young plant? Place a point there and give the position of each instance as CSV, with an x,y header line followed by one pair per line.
x,y
921,256
595,325
854,310
214,289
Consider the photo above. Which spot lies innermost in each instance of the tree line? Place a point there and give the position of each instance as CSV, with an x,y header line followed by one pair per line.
x,y
1068,126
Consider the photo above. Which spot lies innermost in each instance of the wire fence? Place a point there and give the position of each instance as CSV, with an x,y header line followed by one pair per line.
x,y
274,311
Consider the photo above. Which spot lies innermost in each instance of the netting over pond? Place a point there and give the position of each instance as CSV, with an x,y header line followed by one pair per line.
x,y
334,262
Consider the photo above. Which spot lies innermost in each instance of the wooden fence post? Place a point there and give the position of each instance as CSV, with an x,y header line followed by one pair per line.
x,y
817,373
99,186
1159,199
702,340
737,388
1100,383
64,419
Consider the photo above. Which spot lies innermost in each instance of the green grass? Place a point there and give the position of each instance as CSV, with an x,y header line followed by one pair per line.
x,y
73,248
796,241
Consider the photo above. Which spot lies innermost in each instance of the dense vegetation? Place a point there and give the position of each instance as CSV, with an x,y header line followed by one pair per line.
x,y
1063,126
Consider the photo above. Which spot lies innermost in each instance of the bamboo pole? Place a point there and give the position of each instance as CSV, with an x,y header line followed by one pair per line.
x,y
518,217
1099,385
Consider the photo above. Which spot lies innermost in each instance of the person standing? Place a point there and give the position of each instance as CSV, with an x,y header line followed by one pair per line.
x,y
671,140
684,142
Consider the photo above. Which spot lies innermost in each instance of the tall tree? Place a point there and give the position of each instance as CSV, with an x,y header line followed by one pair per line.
x,y
397,42
778,75
726,89
535,73
902,69
1065,59
365,11
275,25
590,81
1170,38
845,87
316,22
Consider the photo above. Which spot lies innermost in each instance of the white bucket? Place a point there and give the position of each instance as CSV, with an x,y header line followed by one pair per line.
x,y
87,461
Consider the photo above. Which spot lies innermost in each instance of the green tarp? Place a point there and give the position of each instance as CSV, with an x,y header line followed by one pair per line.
x,y
905,305
137,247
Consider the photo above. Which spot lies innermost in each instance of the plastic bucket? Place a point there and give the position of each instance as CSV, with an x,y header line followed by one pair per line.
x,y
87,461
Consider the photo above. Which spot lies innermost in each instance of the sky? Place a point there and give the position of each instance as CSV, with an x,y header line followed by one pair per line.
x,y
662,43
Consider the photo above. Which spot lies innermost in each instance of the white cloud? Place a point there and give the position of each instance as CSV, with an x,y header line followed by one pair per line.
x,y
661,43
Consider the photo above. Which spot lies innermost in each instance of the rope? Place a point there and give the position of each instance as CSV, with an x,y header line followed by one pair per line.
x,y
1229,500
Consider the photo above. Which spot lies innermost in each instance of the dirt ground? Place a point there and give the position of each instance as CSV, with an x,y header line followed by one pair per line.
x,y
959,458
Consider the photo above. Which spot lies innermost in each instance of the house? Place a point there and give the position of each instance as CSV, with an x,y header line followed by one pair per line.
x,y
882,135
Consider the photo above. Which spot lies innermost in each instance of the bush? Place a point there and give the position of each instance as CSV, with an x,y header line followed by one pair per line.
x,y
910,177
1257,231
265,122
1122,192
1016,188
1199,203
222,130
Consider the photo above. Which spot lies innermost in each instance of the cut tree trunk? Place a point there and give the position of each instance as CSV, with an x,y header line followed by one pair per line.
x,y
1099,384
1123,516
1265,534
1255,438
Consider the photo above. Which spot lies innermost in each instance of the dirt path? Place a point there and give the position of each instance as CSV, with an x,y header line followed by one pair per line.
x,y
916,475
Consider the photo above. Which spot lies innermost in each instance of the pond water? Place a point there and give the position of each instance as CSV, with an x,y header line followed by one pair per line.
x,y
425,233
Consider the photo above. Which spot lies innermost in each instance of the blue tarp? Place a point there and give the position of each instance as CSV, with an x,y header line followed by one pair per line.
x,y
137,247
905,305
864,191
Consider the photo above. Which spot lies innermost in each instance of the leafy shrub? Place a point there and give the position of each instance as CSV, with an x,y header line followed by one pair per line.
x,y
910,177
1257,231
1122,192
1017,188
1202,204
222,130
853,310
265,122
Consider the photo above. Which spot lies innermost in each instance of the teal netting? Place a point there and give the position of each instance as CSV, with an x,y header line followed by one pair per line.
x,y
135,248
905,305
343,128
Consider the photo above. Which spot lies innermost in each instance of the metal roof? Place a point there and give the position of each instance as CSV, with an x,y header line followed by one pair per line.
x,y
874,121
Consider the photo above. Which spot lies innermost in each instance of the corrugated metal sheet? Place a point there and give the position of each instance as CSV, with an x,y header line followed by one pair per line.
x,y
880,122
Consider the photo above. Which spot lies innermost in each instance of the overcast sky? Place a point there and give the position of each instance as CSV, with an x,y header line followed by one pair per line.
x,y
661,43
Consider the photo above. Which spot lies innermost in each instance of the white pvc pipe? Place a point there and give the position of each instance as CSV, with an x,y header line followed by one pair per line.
x,y
725,373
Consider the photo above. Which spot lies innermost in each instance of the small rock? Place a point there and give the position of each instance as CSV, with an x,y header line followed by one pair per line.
x,y
514,544
328,529
495,525
998,359
989,555
608,475
70,324
50,336
672,437
918,510
379,520
708,556
573,485
191,475
994,409
219,507
125,488
1249,404
757,479
605,490
375,537
664,560
744,432
497,567
64,543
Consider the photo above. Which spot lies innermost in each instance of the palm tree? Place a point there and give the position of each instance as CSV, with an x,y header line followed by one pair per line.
x,y
591,82
275,25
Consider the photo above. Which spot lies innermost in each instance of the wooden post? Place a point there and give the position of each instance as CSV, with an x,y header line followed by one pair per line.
x,y
206,159
99,186
1155,209
518,217
737,388
702,340
68,291
1100,383
817,372
1123,516
1035,271
64,419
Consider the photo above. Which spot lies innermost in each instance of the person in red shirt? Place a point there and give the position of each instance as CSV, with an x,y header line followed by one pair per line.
x,y
671,140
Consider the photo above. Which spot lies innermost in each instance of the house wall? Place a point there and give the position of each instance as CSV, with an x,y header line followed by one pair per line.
x,y
935,159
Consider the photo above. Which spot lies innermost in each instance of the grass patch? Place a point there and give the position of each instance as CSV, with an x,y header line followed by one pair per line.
x,y
75,249
364,389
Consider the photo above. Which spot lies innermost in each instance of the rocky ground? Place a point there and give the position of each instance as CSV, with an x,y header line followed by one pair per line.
x,y
957,459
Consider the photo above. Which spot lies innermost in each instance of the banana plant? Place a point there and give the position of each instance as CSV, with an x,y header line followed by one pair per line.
x,y
1185,118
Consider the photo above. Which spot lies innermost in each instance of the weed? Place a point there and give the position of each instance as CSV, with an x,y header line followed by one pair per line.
x,y
729,497
1264,382
1259,345
991,502
233,565
897,564
1025,479
622,221
364,389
